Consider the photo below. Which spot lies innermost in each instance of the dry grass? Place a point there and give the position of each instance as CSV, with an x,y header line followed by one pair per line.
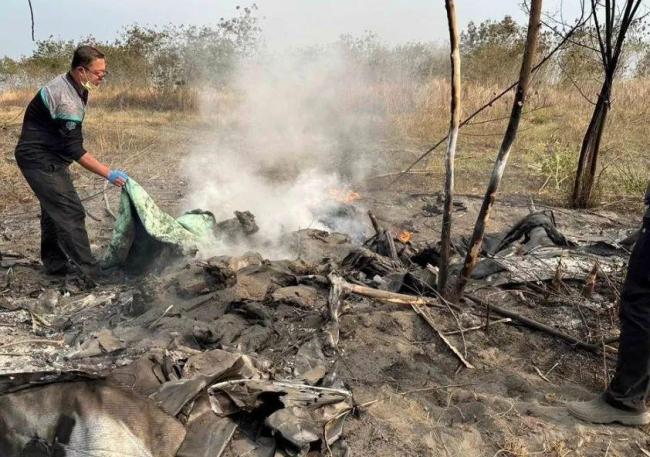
x,y
180,99
14,188
149,144
145,131
544,158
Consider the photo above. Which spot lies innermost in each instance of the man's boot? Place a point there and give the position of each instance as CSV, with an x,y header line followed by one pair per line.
x,y
598,411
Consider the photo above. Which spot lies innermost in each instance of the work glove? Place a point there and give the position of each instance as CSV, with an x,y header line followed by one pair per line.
x,y
118,177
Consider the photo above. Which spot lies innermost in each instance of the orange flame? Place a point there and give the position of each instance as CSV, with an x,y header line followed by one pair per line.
x,y
344,196
405,236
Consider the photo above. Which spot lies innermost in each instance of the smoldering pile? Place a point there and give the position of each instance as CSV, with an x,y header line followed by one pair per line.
x,y
238,354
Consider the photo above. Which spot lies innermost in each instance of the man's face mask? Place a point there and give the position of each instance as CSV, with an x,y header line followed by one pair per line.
x,y
87,84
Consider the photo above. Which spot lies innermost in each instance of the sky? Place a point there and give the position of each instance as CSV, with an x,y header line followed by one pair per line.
x,y
284,22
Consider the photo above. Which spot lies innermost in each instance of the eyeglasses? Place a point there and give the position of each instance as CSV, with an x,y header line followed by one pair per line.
x,y
98,73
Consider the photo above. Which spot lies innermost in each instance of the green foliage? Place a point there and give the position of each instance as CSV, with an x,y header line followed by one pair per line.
x,y
413,61
505,34
163,57
643,62
492,50
579,60
628,178
171,56
52,55
557,164
8,68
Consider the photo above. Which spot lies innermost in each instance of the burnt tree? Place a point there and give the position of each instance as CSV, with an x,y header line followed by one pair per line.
x,y
610,35
445,239
474,247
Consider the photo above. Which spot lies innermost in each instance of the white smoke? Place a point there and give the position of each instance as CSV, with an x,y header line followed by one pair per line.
x,y
303,126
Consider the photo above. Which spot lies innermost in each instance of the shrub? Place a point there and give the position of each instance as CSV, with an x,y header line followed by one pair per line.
x,y
163,57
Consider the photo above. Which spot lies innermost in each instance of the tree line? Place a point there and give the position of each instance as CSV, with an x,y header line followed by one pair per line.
x,y
174,55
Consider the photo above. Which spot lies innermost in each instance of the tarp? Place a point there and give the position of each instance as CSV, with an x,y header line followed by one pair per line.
x,y
143,231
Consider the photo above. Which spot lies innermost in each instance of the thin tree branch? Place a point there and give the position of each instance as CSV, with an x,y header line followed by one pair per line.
x,y
494,134
603,53
429,320
575,84
575,342
609,27
626,20
31,12
108,209
503,118
574,42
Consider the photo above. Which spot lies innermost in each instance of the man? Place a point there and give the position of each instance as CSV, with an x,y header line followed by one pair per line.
x,y
50,140
624,401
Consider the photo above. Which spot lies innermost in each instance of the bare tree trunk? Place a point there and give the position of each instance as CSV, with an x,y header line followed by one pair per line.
x,y
474,247
445,239
587,163
611,37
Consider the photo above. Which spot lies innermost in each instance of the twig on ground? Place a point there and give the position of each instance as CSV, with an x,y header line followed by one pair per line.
x,y
392,250
541,375
595,348
487,320
91,215
33,341
555,365
451,307
461,330
381,295
605,371
155,321
644,451
429,320
38,319
375,224
404,393
478,327
108,206
340,288
608,445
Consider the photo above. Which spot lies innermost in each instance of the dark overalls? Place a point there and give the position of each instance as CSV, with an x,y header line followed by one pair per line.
x,y
631,383
51,138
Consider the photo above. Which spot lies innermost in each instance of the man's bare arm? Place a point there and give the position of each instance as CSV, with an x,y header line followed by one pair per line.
x,y
90,163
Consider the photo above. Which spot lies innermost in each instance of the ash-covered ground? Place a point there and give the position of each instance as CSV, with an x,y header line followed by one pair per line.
x,y
410,395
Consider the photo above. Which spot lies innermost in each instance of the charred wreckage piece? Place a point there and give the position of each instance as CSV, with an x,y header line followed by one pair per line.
x,y
531,253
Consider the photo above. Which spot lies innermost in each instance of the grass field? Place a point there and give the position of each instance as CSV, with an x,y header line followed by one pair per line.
x,y
148,132
545,155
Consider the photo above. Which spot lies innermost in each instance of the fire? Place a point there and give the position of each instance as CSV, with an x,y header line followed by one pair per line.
x,y
405,236
344,196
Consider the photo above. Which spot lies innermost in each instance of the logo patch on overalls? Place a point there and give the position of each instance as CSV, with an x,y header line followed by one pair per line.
x,y
70,125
